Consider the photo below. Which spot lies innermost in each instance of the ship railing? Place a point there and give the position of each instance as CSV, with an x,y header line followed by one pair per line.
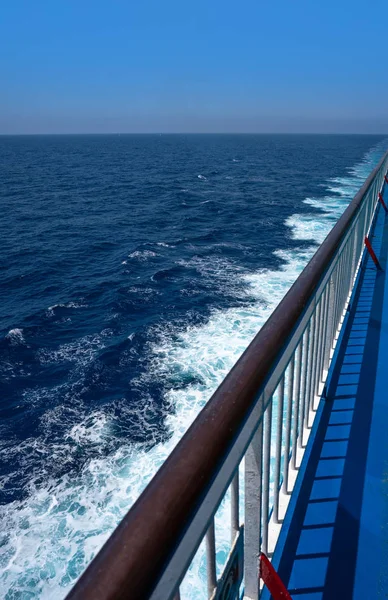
x,y
245,447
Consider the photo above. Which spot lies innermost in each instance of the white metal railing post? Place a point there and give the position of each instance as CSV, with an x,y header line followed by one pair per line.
x,y
266,473
252,529
287,434
295,427
310,368
322,341
253,512
306,354
317,374
211,559
278,450
330,321
234,508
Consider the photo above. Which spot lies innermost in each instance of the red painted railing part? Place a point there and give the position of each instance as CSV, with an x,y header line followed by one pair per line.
x,y
372,254
382,202
272,580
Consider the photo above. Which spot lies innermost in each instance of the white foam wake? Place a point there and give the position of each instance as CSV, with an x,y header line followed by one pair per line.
x,y
50,312
15,336
48,538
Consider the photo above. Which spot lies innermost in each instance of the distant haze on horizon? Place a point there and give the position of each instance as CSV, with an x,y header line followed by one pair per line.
x,y
173,67
187,125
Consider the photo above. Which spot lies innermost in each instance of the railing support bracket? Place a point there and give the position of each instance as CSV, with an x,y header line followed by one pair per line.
x,y
272,580
372,254
382,202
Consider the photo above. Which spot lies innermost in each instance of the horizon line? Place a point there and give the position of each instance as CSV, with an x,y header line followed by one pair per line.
x,y
159,133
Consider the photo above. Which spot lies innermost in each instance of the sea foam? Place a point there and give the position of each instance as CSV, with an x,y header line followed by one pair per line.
x,y
15,336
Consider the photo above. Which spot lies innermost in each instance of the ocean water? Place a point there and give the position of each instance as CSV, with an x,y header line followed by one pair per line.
x,y
134,271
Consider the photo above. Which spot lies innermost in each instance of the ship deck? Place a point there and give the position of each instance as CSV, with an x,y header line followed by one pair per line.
x,y
334,543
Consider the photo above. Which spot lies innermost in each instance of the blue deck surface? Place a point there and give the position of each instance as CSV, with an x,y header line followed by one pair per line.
x,y
335,540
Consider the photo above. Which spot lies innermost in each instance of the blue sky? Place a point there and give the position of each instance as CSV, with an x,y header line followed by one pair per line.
x,y
215,65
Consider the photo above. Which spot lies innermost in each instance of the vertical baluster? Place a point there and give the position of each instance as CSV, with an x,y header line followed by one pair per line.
x,y
299,357
253,511
367,203
347,273
322,339
350,267
345,281
211,559
361,230
337,297
335,301
329,325
322,349
350,257
372,202
306,347
360,245
266,472
342,289
372,210
234,507
318,328
310,368
363,221
366,217
341,286
287,433
375,197
278,451
355,232
351,261
360,242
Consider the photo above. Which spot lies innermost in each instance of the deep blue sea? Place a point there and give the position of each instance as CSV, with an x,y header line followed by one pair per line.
x,y
134,271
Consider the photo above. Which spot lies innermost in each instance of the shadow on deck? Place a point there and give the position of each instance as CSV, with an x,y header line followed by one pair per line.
x,y
335,540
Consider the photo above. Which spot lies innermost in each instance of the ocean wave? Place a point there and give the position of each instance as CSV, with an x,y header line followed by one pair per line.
x,y
308,226
81,351
50,312
15,336
142,255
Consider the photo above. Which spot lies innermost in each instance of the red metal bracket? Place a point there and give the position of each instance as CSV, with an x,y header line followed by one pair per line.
x,y
382,202
272,580
372,254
